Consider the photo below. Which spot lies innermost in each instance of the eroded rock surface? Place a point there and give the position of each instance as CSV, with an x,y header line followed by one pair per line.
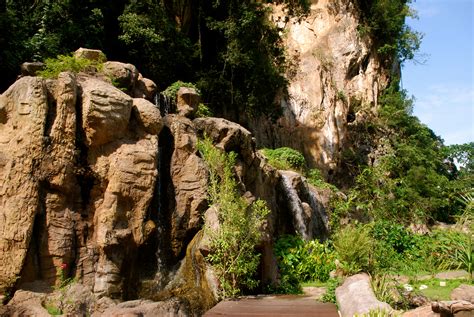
x,y
335,78
98,186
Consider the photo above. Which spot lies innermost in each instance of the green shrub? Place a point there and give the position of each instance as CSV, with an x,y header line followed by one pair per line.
x,y
62,63
314,177
355,248
233,254
384,288
203,111
285,158
172,90
453,249
394,235
330,295
302,261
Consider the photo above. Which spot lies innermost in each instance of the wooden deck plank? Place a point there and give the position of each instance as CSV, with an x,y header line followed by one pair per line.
x,y
273,306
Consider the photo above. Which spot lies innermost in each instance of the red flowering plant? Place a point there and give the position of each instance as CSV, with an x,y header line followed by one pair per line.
x,y
62,274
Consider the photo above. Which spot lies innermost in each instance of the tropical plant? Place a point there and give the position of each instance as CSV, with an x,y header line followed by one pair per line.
x,y
354,247
302,261
232,245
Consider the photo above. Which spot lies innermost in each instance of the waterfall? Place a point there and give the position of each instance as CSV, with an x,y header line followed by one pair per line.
x,y
295,207
163,103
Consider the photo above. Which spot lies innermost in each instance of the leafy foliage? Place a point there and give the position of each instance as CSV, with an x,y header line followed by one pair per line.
x,y
203,111
233,244
385,20
302,261
54,66
172,90
412,181
354,246
330,295
285,158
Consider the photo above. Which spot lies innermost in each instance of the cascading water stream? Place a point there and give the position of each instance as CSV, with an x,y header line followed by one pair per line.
x,y
163,103
295,207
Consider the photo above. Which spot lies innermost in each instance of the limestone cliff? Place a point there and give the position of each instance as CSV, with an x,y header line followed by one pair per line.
x,y
335,78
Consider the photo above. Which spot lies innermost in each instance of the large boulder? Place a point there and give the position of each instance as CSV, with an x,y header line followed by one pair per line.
x,y
91,54
189,176
145,88
146,308
105,112
355,296
124,75
463,292
31,68
148,115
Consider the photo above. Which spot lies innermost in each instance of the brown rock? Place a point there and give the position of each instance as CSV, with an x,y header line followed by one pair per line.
x,y
87,53
125,75
146,308
424,311
21,140
458,308
145,88
187,101
27,303
355,296
148,115
463,292
31,68
189,178
105,112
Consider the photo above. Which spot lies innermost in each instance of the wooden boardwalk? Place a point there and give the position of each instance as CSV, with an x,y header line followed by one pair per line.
x,y
273,306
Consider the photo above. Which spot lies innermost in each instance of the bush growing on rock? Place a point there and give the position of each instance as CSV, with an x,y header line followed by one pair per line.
x,y
63,63
233,243
285,158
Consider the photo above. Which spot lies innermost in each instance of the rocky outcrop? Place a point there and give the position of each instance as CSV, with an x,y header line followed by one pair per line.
x,y
334,79
356,297
97,185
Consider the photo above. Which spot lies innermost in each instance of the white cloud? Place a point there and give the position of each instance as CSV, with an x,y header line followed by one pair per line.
x,y
449,111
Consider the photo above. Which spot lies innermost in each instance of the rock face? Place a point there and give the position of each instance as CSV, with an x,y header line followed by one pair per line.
x,y
98,186
463,292
335,78
355,296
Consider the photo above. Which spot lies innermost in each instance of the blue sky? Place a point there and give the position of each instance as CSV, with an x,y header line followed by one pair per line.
x,y
443,86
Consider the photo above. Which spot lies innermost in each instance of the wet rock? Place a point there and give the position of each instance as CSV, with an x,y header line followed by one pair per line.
x,y
189,177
